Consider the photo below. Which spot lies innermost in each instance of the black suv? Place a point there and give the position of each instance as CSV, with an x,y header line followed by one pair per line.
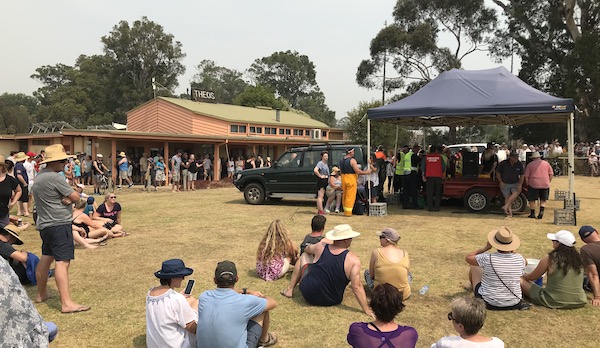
x,y
292,174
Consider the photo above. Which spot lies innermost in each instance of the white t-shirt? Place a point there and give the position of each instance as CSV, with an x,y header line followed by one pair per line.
x,y
166,318
459,342
29,168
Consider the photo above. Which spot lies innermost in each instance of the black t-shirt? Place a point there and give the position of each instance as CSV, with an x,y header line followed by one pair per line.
x,y
6,250
510,174
488,163
193,167
7,186
309,240
110,215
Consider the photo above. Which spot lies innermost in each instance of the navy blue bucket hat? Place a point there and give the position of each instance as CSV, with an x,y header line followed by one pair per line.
x,y
174,268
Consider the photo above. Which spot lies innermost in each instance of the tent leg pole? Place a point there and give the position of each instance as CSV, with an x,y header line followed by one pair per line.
x,y
368,155
571,154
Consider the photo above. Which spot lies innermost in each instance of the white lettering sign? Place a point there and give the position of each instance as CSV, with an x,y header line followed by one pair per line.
x,y
203,94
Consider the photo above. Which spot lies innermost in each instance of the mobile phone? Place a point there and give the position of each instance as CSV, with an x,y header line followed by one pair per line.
x,y
189,287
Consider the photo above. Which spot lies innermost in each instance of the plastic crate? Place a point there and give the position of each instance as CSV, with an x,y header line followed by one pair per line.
x,y
565,217
378,209
569,204
560,195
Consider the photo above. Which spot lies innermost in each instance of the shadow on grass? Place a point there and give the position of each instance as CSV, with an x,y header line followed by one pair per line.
x,y
139,341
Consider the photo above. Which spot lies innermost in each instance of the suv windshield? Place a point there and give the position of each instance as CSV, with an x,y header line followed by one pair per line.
x,y
289,160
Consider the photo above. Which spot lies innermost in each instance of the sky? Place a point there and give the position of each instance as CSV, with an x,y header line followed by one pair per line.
x,y
334,34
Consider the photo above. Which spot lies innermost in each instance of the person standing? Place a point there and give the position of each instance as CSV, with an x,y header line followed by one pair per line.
x,y
538,175
510,176
21,176
98,169
433,171
29,165
350,173
380,159
123,169
208,170
10,192
176,170
410,185
399,172
54,198
143,168
192,172
185,165
322,172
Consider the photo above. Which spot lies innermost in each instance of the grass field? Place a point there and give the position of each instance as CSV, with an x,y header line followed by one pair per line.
x,y
207,226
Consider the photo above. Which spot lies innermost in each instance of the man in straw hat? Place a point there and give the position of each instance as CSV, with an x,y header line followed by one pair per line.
x,y
233,318
538,175
323,282
350,173
496,277
54,213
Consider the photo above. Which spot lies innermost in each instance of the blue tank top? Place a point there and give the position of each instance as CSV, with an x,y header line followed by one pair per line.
x,y
123,166
345,166
325,281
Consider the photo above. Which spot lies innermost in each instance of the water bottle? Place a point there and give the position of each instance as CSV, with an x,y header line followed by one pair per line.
x,y
424,290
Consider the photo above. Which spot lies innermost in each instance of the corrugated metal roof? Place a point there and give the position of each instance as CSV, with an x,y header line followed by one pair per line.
x,y
243,114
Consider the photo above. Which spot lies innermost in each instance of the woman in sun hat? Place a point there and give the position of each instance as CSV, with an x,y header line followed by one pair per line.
x,y
171,317
10,192
565,275
389,263
495,277
334,190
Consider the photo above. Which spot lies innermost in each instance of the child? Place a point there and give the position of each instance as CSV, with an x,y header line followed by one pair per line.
x,y
90,208
77,170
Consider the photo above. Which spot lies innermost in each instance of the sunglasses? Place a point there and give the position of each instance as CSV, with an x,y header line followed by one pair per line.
x,y
113,197
381,237
451,317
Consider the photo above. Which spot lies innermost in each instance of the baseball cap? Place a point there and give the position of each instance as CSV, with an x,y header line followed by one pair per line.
x,y
564,237
226,272
586,231
390,234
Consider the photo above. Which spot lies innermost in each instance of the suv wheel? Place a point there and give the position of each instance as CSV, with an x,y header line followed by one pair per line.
x,y
254,194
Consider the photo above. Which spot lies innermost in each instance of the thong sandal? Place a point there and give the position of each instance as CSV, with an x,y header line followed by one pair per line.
x,y
271,340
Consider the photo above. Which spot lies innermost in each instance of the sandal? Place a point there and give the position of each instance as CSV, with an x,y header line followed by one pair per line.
x,y
271,340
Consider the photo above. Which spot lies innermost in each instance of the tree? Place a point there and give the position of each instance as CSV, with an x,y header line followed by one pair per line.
x,y
260,96
559,45
227,84
139,53
293,77
17,112
381,133
411,43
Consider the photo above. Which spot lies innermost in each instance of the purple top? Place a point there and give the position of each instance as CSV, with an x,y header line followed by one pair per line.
x,y
361,336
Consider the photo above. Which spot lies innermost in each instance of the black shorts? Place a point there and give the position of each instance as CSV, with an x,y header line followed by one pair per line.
x,y
24,194
533,194
322,183
57,241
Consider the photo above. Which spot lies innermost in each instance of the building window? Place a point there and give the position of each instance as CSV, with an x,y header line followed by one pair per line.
x,y
307,132
44,142
242,129
281,131
259,130
323,134
288,131
298,132
252,129
234,128
269,130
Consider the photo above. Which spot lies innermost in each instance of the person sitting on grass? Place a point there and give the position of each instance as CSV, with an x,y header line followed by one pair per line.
x,y
276,252
318,226
19,260
323,282
565,275
590,253
467,317
171,317
386,303
233,318
94,228
110,211
495,277
389,264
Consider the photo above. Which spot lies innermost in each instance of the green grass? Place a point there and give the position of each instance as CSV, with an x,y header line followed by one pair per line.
x,y
207,226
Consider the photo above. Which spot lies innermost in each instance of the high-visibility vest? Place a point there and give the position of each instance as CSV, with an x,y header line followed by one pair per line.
x,y
400,164
408,161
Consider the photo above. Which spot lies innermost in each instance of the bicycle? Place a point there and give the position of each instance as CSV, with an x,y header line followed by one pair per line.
x,y
105,182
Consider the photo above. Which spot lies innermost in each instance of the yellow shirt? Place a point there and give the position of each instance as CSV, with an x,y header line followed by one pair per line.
x,y
395,273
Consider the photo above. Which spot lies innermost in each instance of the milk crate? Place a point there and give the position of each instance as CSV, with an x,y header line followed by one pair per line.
x,y
378,209
560,195
565,217
569,204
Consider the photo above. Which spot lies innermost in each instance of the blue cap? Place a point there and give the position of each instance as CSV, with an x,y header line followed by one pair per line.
x,y
586,231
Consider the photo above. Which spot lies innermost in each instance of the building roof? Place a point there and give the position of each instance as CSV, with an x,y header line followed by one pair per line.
x,y
244,114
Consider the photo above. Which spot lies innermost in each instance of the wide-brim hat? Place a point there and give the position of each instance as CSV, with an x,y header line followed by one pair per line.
x,y
21,156
55,153
335,169
99,155
14,231
389,234
122,154
341,232
535,154
504,239
173,268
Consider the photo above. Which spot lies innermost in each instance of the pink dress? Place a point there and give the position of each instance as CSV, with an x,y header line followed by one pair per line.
x,y
271,270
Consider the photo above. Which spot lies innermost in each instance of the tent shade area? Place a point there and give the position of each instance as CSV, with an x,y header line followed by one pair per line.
x,y
478,97
472,97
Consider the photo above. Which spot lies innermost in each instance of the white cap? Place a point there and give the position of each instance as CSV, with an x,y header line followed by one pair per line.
x,y
564,237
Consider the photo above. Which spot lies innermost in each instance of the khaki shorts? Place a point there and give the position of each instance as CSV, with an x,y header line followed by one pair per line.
x,y
175,176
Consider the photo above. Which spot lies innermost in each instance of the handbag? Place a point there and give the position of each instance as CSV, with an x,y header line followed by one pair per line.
x,y
522,305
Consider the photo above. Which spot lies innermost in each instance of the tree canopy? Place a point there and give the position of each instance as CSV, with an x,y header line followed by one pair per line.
x,y
254,96
226,83
17,111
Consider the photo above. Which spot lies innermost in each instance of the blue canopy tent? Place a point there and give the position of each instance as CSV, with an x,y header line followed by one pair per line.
x,y
472,97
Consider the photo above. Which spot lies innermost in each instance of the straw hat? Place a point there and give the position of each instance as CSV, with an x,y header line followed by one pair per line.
x,y
55,153
535,154
504,239
14,231
21,156
335,169
341,232
122,154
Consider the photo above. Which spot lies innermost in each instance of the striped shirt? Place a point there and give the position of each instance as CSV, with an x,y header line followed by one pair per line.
x,y
509,268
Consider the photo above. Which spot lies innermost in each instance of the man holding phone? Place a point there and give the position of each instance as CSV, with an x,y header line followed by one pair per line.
x,y
233,318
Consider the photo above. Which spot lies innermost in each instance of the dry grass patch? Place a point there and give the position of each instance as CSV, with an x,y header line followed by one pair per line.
x,y
207,226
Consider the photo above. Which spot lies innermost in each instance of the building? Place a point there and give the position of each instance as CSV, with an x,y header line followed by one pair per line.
x,y
164,125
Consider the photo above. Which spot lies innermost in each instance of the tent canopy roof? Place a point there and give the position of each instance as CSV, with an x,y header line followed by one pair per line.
x,y
462,97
